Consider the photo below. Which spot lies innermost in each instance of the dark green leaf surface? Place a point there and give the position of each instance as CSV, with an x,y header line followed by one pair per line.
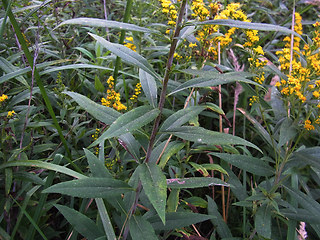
x,y
247,163
129,121
141,229
204,136
177,220
84,225
90,188
149,87
195,182
263,221
155,186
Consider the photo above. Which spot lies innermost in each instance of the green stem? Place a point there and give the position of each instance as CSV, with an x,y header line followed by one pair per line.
x,y
39,81
166,77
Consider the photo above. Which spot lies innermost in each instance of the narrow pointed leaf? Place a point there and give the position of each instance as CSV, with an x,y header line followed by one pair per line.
x,y
178,220
149,87
127,55
90,188
222,228
204,136
214,80
249,25
195,182
181,117
41,164
129,121
155,186
141,229
98,111
263,221
84,225
96,166
128,141
96,22
247,163
109,231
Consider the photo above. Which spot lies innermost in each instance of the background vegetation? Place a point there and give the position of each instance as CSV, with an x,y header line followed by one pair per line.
x,y
159,119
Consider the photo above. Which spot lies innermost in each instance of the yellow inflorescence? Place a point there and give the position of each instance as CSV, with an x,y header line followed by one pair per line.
x,y
130,44
169,9
95,137
113,98
308,126
253,99
3,98
137,91
10,114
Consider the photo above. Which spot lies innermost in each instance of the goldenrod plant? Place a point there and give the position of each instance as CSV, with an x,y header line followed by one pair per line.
x,y
159,119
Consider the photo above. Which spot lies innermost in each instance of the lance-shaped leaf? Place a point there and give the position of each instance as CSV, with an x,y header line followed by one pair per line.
x,y
45,165
98,111
90,188
263,221
181,117
129,121
177,220
249,25
127,55
141,229
251,164
214,79
96,22
96,166
84,225
204,136
149,87
155,186
195,182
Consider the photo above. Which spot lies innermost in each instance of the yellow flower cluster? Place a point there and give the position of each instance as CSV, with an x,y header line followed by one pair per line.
x,y
308,126
137,91
299,82
170,9
253,99
10,114
113,98
129,44
3,98
95,137
109,163
204,35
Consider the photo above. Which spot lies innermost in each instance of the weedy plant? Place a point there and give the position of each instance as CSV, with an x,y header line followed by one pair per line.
x,y
159,120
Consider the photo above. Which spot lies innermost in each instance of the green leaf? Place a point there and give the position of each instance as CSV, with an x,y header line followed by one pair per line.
x,y
173,148
195,182
41,164
149,87
197,202
96,166
129,121
249,25
107,225
98,85
181,117
222,228
204,136
173,200
247,163
141,229
128,141
305,201
127,55
260,129
155,187
96,22
287,132
178,220
102,113
200,169
84,225
263,221
214,167
90,188
214,79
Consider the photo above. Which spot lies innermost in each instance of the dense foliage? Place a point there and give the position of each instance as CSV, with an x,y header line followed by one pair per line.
x,y
159,119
